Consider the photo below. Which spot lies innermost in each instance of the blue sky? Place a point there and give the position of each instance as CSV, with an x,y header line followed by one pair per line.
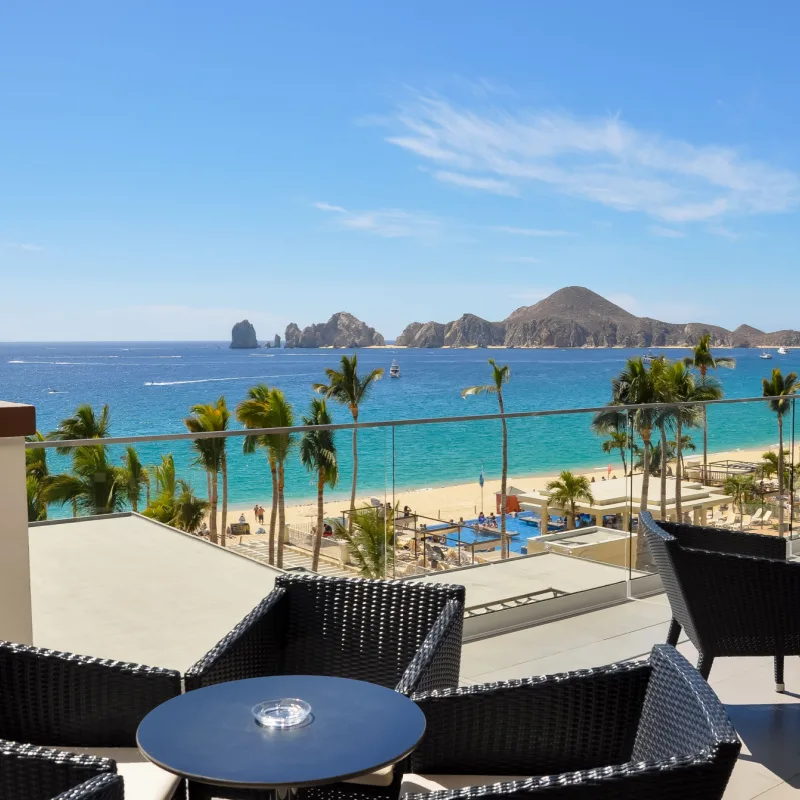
x,y
167,169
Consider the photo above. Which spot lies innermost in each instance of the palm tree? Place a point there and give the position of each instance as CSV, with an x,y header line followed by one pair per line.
x,y
635,386
93,486
739,487
618,440
183,510
682,388
347,388
283,417
500,376
655,462
211,456
371,543
318,454
703,360
687,445
133,477
780,388
256,412
770,465
83,424
37,474
663,418
567,491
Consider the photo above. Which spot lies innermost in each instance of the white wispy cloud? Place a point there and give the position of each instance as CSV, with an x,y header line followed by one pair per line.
x,y
721,230
26,246
328,207
667,233
391,223
486,184
530,231
603,160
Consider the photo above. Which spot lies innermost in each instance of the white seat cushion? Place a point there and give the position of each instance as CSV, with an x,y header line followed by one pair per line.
x,y
143,779
414,783
380,777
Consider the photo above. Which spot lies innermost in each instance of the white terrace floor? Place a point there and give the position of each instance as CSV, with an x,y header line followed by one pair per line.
x,y
129,589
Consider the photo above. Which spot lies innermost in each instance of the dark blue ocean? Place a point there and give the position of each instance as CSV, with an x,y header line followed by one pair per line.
x,y
150,387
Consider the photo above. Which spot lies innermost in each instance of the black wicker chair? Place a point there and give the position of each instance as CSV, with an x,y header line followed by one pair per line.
x,y
82,704
405,636
37,773
733,593
651,729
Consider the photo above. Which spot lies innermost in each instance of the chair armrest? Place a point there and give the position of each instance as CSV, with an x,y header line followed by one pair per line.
x,y
53,698
742,604
726,540
681,714
680,777
253,649
27,771
537,726
437,663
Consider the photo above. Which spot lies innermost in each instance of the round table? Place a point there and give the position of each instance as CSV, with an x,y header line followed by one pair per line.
x,y
210,735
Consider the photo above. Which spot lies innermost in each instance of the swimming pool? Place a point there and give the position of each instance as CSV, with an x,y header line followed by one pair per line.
x,y
520,528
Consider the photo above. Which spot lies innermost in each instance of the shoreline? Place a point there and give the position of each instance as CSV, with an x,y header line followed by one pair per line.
x,y
450,501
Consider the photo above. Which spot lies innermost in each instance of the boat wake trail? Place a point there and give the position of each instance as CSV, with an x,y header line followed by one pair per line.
x,y
205,380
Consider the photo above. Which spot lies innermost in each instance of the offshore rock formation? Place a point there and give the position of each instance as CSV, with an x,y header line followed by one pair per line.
x,y
341,330
578,317
243,336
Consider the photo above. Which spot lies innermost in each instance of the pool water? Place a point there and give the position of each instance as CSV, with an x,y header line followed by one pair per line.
x,y
521,528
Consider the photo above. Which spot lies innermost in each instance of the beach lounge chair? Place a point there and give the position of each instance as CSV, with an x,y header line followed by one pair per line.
x,y
733,593
756,518
766,518
648,729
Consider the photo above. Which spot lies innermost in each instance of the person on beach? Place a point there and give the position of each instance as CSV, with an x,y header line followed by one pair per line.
x,y
261,515
481,518
255,512
242,520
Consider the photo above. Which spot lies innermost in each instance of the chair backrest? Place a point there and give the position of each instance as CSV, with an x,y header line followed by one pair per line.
x,y
682,716
664,550
60,699
356,628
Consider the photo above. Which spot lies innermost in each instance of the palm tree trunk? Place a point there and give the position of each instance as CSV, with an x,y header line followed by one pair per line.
x,y
504,544
780,473
147,492
678,470
224,462
320,506
645,472
213,510
624,462
642,555
354,412
664,447
273,471
705,444
281,515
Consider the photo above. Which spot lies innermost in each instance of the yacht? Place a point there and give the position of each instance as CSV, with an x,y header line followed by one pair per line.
x,y
782,351
394,370
766,355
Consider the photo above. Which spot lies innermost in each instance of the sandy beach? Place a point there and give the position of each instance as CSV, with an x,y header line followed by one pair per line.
x,y
463,499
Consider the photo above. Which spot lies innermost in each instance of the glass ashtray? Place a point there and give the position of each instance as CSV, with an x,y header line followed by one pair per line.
x,y
283,713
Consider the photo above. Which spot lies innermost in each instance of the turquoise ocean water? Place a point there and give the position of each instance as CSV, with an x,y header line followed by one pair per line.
x,y
150,386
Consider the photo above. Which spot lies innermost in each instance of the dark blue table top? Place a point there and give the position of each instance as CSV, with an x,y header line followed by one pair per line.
x,y
210,735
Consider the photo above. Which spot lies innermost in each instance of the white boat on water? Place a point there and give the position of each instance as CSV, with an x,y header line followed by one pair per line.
x,y
766,355
394,370
782,351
